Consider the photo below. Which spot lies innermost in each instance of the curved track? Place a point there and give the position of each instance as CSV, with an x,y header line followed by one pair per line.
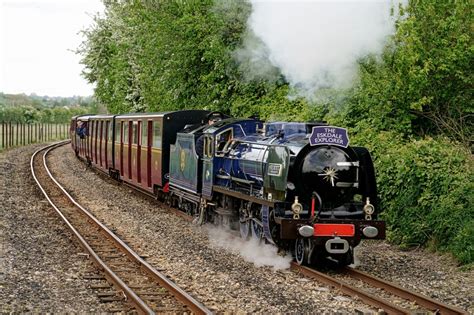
x,y
147,290
375,301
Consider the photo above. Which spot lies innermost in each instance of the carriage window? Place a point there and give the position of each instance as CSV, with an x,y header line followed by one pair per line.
x,y
81,129
144,133
110,130
135,132
125,132
118,129
157,134
104,129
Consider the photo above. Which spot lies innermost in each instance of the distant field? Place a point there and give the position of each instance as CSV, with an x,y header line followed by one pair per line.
x,y
13,134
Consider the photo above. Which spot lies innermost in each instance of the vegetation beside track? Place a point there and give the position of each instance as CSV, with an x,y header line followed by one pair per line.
x,y
412,106
29,109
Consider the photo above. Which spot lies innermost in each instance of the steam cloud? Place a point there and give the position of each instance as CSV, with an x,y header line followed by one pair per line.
x,y
252,251
315,44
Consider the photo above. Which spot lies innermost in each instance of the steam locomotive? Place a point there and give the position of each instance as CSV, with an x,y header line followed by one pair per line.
x,y
299,186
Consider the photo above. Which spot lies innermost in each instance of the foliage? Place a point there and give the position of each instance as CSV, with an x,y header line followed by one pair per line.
x,y
423,84
147,56
33,108
426,191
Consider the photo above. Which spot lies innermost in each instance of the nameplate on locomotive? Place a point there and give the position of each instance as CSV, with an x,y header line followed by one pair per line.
x,y
274,169
328,135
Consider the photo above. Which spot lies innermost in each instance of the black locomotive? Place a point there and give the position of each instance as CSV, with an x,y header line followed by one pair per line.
x,y
299,186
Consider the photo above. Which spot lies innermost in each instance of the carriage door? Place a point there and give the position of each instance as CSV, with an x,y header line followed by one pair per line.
x,y
148,153
107,144
134,151
96,138
101,137
145,153
129,149
123,147
139,151
207,166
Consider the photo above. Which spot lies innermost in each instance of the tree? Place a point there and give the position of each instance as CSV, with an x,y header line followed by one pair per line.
x,y
423,85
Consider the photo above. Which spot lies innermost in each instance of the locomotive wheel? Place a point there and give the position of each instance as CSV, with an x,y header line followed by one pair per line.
x,y
302,249
244,229
257,230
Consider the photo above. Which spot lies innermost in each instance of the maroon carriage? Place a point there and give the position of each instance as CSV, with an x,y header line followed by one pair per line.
x,y
132,147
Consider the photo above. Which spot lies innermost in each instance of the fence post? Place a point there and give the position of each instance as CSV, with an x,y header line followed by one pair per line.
x,y
10,140
3,135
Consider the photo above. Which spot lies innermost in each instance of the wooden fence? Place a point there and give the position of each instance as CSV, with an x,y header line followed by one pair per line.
x,y
18,134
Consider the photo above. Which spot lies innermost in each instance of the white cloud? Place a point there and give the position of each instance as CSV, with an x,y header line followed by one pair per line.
x,y
37,39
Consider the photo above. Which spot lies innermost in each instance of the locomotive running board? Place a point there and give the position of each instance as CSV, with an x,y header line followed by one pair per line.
x,y
237,194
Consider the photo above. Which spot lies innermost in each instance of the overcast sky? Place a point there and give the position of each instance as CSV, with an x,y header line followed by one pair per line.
x,y
36,39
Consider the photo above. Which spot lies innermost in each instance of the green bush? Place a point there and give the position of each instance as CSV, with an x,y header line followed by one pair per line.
x,y
426,188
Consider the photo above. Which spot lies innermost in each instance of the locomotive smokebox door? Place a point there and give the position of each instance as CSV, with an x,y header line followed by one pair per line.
x,y
277,165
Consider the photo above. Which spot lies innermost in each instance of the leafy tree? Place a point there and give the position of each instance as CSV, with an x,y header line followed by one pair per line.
x,y
423,85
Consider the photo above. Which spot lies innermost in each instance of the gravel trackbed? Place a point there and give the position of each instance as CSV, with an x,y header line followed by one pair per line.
x,y
42,269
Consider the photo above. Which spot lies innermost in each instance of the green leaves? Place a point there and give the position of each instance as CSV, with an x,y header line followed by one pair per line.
x,y
426,191
423,85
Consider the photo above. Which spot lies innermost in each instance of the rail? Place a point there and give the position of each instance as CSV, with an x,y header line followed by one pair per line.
x,y
370,298
110,275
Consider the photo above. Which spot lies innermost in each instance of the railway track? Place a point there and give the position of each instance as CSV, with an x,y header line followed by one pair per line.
x,y
370,298
424,302
141,285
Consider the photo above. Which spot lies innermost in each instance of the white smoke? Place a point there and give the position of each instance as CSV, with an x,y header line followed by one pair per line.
x,y
357,255
315,44
252,251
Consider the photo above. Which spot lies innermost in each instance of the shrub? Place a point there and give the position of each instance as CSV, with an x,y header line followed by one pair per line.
x,y
427,190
